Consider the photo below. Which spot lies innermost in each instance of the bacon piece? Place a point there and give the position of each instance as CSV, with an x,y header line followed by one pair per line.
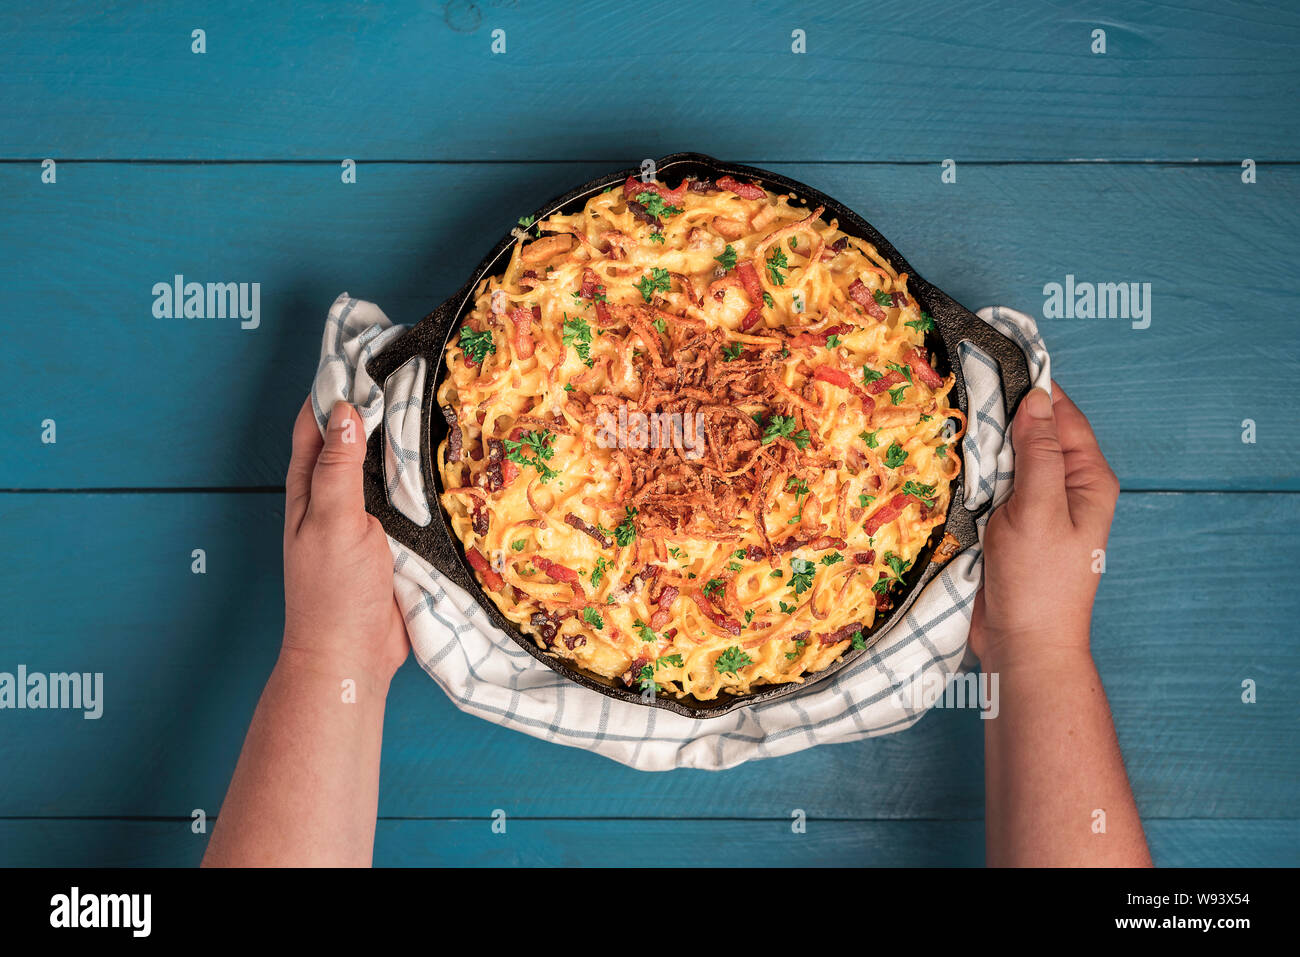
x,y
495,471
574,641
560,573
748,277
546,247
840,634
743,190
633,673
454,438
865,558
751,319
863,297
523,319
729,228
702,601
886,513
664,610
671,197
546,626
924,371
645,578
816,542
587,528
885,381
480,565
838,377
591,285
479,519
701,186
946,549
900,300
602,313
840,244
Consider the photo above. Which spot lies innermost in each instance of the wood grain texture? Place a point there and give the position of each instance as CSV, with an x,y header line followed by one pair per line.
x,y
103,583
887,80
596,843
147,402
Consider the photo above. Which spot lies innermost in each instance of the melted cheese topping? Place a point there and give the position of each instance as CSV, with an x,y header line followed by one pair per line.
x,y
847,452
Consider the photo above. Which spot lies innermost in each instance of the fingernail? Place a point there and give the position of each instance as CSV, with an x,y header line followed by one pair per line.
x,y
338,414
1038,404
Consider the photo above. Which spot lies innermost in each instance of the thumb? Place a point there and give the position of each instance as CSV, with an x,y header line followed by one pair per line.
x,y
336,480
1040,464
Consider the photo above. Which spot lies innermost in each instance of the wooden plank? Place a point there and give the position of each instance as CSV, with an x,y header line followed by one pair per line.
x,y
1197,598
602,843
147,402
886,80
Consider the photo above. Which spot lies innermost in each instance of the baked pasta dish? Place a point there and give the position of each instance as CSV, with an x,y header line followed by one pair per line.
x,y
695,440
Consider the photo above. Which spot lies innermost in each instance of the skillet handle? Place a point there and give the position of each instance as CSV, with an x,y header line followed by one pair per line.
x,y
382,367
1014,377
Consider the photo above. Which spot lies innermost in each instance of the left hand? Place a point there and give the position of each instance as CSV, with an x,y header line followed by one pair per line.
x,y
339,608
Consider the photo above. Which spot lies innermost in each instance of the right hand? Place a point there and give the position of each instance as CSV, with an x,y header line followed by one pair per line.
x,y
1044,546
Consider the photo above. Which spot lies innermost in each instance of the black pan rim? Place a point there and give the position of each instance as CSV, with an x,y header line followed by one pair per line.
x,y
439,546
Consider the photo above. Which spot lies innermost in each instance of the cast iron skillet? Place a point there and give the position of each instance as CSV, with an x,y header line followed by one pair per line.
x,y
438,544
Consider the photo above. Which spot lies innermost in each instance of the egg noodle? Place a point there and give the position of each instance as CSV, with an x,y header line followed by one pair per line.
x,y
695,440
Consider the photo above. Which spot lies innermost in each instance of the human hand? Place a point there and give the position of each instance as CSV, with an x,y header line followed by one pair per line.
x,y
1042,545
339,608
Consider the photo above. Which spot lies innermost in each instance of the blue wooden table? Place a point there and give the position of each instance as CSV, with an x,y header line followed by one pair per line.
x,y
219,156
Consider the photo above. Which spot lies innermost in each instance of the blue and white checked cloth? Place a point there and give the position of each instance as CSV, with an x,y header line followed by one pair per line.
x,y
485,673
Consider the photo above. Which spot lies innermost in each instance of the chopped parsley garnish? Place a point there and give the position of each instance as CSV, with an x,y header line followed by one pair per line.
x,y
864,499
539,443
714,587
859,642
782,427
657,281
733,351
777,573
924,492
592,617
660,325
768,300
870,375
800,489
647,677
798,647
883,298
732,660
896,395
626,530
526,222
832,558
941,451
644,630
895,456
577,333
568,387
871,438
788,609
657,238
519,544
904,371
924,324
898,565
728,257
734,566
598,572
749,616
802,578
775,262
477,346
674,660
794,242
832,341
654,205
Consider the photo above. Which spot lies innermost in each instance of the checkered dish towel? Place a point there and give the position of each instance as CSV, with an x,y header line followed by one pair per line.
x,y
485,673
